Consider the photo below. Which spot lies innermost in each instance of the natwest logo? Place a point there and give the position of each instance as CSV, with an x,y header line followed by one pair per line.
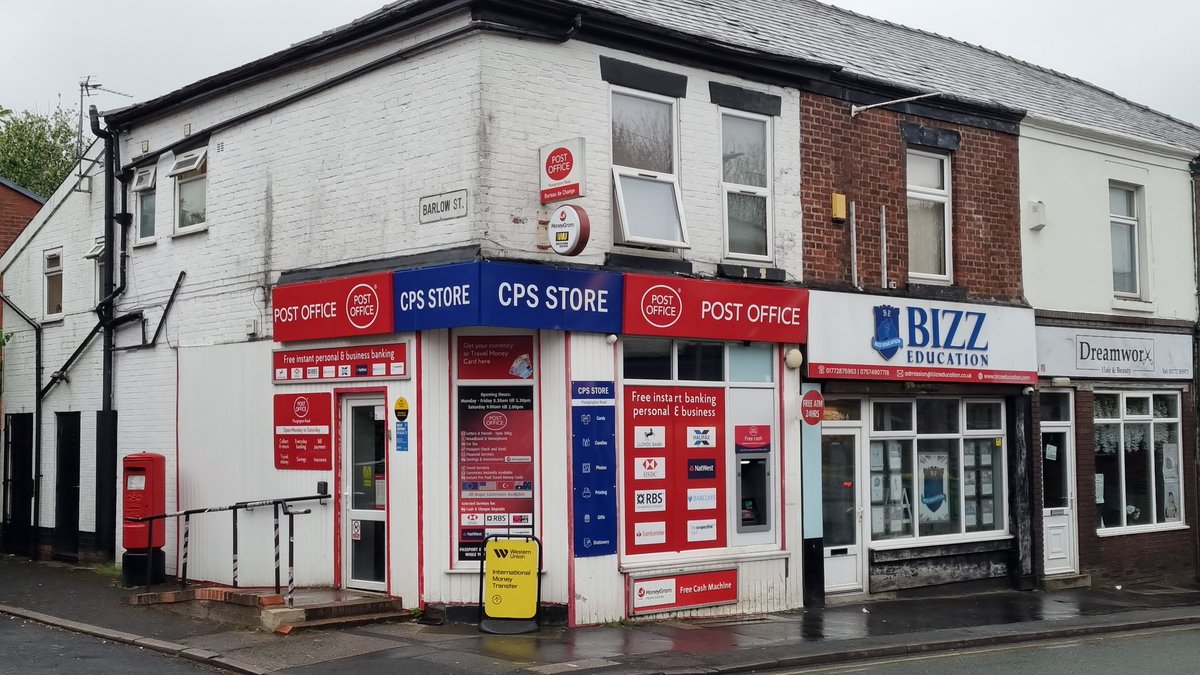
x,y
661,306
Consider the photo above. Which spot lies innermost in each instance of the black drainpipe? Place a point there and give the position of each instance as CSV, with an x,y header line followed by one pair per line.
x,y
106,418
37,424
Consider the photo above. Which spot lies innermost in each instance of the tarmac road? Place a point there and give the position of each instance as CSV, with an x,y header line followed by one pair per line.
x,y
1161,652
30,647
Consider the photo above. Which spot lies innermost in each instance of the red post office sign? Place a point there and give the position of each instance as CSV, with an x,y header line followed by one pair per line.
x,y
720,310
683,591
304,431
331,309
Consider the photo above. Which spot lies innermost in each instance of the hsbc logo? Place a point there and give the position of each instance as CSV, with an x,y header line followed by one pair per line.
x,y
650,468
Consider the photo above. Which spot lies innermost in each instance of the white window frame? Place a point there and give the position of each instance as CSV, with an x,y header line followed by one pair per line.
x,y
144,179
144,188
187,168
96,255
623,235
1120,421
942,197
1138,229
47,273
999,466
753,190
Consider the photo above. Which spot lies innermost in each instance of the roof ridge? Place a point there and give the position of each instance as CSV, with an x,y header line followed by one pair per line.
x,y
1008,57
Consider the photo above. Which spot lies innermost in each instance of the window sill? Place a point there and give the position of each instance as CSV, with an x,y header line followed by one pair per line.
x,y
50,320
668,562
1134,305
190,231
144,243
945,540
1140,529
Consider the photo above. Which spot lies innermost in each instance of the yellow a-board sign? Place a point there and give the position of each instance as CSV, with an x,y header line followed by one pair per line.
x,y
510,578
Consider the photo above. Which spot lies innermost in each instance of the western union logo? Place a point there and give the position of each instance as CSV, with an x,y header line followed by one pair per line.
x,y
501,553
562,236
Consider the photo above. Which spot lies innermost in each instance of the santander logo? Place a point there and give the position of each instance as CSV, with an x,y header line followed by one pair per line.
x,y
495,421
662,306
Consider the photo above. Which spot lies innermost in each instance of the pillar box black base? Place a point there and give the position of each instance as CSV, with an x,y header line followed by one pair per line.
x,y
133,567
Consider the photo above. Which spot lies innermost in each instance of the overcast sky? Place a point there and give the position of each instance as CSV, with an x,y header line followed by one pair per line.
x,y
1147,51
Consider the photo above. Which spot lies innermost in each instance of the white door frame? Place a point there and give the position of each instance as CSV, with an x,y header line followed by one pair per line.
x,y
347,402
1068,456
861,478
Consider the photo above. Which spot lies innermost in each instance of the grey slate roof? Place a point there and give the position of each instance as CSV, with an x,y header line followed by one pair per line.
x,y
925,61
822,34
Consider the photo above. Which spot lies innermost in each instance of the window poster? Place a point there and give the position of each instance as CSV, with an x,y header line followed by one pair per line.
x,y
972,512
877,488
877,519
986,510
1099,488
969,482
495,464
934,482
876,456
674,467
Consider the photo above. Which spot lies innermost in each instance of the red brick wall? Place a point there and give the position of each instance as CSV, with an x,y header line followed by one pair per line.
x,y
864,158
1134,557
16,210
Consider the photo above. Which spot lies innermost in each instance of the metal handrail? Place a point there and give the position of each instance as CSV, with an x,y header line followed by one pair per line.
x,y
233,509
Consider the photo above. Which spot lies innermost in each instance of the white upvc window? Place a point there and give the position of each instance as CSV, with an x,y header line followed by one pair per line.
x,y
52,269
746,184
143,189
937,470
190,172
645,170
96,255
929,243
1139,470
1125,228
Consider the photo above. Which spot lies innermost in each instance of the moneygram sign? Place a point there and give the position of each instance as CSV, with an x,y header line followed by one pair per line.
x,y
336,308
714,309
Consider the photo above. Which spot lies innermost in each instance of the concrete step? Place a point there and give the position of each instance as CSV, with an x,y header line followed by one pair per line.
x,y
346,621
1062,582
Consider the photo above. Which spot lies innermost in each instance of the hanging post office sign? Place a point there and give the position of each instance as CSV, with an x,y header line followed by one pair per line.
x,y
563,174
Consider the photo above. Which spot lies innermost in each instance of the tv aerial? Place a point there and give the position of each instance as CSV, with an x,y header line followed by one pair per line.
x,y
86,88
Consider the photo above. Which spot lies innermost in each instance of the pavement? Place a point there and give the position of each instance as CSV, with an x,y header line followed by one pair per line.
x,y
84,600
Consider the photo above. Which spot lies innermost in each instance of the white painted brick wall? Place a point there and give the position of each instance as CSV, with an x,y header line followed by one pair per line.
x,y
337,178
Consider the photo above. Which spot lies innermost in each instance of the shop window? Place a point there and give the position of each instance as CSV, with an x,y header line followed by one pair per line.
x,y
143,188
1137,482
496,464
52,269
745,185
929,246
701,361
1125,227
945,478
190,171
645,178
647,358
751,362
700,446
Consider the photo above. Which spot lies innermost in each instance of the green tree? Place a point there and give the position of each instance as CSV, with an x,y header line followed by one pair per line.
x,y
37,151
